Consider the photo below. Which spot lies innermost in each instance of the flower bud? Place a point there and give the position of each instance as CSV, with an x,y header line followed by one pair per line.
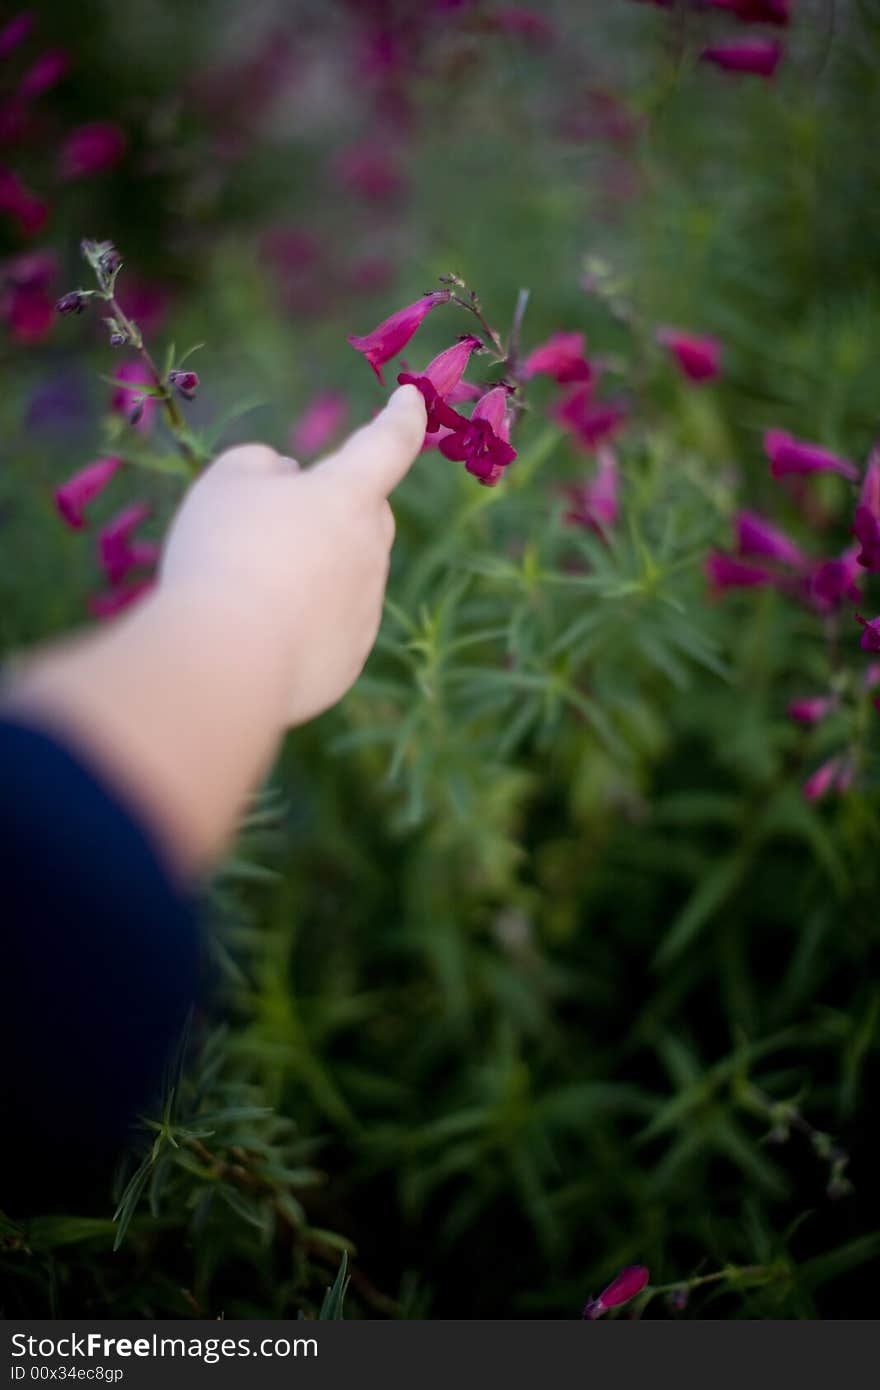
x,y
72,303
186,383
136,412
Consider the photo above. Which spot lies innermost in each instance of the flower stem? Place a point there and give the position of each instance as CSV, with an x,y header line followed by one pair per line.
x,y
173,412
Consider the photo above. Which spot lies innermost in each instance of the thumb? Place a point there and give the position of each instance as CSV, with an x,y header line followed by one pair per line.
x,y
377,456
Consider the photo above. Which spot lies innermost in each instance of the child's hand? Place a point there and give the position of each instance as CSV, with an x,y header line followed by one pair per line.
x,y
300,555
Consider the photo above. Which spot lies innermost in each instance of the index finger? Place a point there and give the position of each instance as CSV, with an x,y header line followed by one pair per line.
x,y
377,456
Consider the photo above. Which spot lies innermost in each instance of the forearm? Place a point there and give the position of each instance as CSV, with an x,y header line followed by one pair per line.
x,y
180,705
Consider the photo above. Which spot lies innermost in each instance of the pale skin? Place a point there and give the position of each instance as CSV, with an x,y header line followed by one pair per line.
x,y
269,599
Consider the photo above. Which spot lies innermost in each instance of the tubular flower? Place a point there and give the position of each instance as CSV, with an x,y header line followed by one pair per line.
x,y
627,1285
834,582
761,57
866,526
811,710
871,636
49,69
483,444
727,572
117,553
790,455
757,11
825,779
321,422
92,149
392,335
439,380
23,206
74,495
15,32
698,358
595,504
587,421
756,536
562,357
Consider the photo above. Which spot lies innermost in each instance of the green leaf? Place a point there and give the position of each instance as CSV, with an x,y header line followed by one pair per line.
x,y
334,1298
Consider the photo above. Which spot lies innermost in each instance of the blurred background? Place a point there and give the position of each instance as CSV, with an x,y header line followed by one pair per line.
x,y
545,954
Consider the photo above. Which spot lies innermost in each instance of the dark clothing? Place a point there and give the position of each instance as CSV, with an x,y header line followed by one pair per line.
x,y
98,964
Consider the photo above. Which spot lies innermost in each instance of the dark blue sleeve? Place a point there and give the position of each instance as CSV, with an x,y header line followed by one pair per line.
x,y
98,968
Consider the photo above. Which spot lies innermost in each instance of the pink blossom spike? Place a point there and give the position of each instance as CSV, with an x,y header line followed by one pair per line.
x,y
790,455
756,536
628,1284
760,57
322,422
79,490
391,336
698,358
561,357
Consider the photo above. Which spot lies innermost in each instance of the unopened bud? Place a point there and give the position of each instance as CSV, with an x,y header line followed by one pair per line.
x,y
677,1299
136,411
186,383
72,303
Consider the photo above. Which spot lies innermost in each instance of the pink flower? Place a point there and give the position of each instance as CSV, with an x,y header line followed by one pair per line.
x,y
755,536
562,357
790,455
30,212
595,503
75,495
834,582
15,32
117,552
726,572
369,170
107,605
811,710
128,400
758,56
698,358
439,379
392,335
30,313
323,420
823,780
872,675
483,445
587,421
756,11
45,73
870,641
627,1285
866,526
92,149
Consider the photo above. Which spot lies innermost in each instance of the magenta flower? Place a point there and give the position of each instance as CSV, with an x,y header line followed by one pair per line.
x,y
117,552
392,335
483,445
698,358
870,641
727,572
588,421
75,495
127,400
594,504
562,357
107,605
627,1285
834,582
15,32
756,536
758,56
790,455
30,313
439,379
30,212
756,11
324,419
92,149
866,525
186,384
46,72
823,780
369,170
812,709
